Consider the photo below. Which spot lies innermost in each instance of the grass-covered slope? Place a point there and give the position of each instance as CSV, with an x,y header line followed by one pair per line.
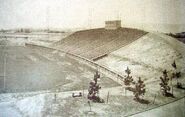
x,y
148,56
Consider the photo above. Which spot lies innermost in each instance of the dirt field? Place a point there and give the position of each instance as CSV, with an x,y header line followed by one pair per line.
x,y
30,69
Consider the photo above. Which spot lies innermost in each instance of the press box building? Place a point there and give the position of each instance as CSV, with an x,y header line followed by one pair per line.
x,y
112,25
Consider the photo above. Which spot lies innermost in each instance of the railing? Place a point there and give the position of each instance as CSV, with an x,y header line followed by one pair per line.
x,y
102,69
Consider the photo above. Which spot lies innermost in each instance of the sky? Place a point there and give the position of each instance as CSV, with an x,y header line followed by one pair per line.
x,y
88,13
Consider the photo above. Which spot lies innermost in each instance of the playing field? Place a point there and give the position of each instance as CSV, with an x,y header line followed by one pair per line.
x,y
31,69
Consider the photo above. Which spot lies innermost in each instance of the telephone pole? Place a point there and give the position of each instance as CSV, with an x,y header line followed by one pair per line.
x,y
90,18
47,20
4,71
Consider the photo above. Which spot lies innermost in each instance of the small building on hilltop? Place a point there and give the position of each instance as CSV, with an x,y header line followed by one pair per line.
x,y
112,25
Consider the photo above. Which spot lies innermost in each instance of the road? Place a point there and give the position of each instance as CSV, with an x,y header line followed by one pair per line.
x,y
175,109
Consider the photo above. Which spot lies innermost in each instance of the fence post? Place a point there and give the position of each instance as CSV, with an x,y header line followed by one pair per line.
x,y
154,99
108,97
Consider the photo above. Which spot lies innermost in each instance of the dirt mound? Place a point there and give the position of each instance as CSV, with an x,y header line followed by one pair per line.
x,y
155,50
147,56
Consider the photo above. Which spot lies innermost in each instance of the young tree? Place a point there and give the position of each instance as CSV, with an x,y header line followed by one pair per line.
x,y
165,88
176,75
96,77
139,89
94,89
128,78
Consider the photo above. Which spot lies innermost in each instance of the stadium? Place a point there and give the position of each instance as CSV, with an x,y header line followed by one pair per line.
x,y
53,73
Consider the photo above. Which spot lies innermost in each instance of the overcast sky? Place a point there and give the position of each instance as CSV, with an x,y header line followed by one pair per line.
x,y
88,13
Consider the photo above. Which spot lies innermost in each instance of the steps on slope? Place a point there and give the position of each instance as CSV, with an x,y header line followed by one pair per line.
x,y
95,43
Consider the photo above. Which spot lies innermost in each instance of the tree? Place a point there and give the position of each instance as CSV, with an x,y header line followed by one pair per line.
x,y
139,89
128,78
174,65
176,75
94,89
165,88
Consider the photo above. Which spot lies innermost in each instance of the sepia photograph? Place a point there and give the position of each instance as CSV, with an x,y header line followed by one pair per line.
x,y
92,58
